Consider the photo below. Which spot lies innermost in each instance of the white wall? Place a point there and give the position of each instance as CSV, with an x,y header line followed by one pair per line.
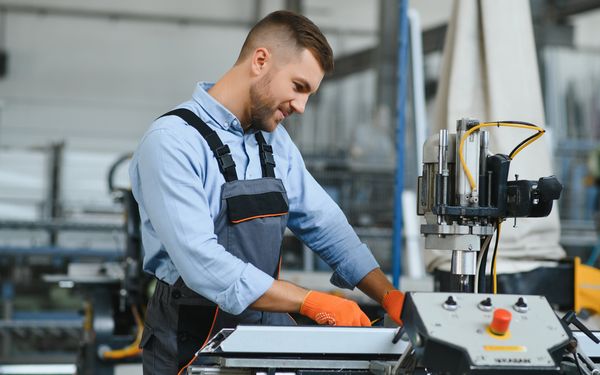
x,y
586,30
97,81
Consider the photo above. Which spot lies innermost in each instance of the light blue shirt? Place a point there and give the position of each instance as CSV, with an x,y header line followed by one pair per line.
x,y
177,184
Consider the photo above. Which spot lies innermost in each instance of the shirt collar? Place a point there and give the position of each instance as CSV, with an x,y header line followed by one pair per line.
x,y
215,111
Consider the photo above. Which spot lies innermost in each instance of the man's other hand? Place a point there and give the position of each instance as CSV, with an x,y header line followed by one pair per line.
x,y
392,303
334,311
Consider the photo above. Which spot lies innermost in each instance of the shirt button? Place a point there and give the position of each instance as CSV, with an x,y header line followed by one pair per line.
x,y
176,294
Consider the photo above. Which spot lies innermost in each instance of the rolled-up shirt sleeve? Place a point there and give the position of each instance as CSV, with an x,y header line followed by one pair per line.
x,y
169,182
319,222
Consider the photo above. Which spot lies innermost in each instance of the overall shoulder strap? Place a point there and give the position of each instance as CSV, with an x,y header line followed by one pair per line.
x,y
267,161
221,152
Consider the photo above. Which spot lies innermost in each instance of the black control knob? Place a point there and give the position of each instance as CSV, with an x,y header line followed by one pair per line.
x,y
485,305
521,305
450,304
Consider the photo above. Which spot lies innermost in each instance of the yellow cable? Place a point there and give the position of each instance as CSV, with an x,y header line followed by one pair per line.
x,y
527,144
489,124
495,281
132,349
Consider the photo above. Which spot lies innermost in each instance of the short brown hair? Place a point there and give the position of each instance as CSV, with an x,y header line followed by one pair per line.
x,y
290,26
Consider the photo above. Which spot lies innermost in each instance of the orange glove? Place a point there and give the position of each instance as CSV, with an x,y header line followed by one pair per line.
x,y
392,303
331,310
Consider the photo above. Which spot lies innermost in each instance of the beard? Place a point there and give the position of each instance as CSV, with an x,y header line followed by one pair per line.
x,y
262,108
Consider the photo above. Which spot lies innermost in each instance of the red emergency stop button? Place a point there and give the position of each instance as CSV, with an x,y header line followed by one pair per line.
x,y
500,322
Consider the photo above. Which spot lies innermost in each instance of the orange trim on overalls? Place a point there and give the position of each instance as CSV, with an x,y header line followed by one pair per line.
x,y
257,217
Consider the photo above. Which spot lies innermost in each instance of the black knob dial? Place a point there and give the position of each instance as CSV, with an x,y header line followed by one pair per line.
x,y
485,305
450,304
521,305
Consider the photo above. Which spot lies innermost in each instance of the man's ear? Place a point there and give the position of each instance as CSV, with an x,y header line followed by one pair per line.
x,y
261,59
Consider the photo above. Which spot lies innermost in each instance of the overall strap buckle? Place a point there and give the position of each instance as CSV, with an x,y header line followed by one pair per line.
x,y
267,161
266,155
226,163
220,151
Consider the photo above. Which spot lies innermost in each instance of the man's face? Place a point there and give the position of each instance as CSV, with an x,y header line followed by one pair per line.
x,y
283,90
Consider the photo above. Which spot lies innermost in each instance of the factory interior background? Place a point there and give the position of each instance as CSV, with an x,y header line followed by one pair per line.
x,y
81,81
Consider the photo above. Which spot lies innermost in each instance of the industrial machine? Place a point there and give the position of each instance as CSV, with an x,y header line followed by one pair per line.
x,y
489,333
54,332
302,350
464,195
443,334
112,332
115,295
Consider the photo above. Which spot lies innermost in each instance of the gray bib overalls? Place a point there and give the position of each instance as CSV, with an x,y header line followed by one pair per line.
x,y
250,225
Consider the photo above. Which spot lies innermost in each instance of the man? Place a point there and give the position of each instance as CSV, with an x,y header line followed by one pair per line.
x,y
217,181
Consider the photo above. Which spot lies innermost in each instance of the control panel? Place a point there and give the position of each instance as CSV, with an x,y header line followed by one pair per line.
x,y
479,333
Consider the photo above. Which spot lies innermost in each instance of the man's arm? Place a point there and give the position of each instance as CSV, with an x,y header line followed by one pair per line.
x,y
282,296
319,222
172,196
377,286
323,308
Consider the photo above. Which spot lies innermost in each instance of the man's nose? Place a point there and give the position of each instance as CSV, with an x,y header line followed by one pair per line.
x,y
299,103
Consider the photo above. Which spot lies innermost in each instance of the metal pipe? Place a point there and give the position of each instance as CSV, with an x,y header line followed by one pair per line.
x,y
483,150
56,225
484,142
157,17
418,82
400,125
443,171
61,252
463,262
462,283
54,197
8,294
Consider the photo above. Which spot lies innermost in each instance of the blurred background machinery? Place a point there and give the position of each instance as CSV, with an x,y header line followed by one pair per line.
x,y
101,320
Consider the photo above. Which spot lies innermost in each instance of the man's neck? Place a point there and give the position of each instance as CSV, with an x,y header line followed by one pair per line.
x,y
233,94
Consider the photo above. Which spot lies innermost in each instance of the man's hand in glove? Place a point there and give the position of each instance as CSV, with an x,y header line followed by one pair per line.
x,y
392,303
331,310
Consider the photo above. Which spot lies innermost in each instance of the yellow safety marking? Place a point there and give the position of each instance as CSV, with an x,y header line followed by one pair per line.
x,y
505,348
505,336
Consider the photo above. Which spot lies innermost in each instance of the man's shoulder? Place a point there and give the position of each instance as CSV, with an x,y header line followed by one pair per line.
x,y
172,123
172,131
167,124
165,128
